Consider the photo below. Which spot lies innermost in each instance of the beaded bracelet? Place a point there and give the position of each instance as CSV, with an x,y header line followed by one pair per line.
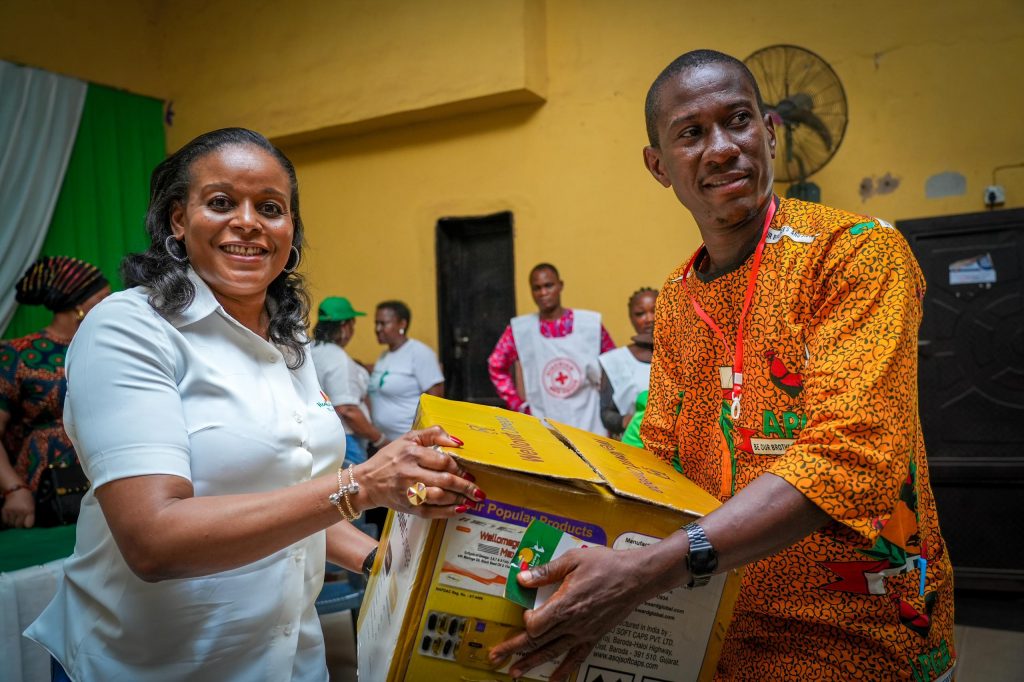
x,y
341,498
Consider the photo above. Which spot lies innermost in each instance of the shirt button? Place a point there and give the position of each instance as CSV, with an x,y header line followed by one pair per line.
x,y
271,358
287,630
298,417
298,558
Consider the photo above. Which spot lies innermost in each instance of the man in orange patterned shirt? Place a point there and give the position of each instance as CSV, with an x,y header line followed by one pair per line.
x,y
784,381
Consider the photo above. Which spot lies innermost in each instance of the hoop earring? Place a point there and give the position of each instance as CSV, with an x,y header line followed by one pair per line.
x,y
170,250
298,257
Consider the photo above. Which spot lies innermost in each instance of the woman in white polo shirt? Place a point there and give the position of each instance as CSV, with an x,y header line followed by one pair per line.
x,y
197,415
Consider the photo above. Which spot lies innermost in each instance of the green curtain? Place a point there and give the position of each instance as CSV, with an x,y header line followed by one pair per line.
x,y
100,213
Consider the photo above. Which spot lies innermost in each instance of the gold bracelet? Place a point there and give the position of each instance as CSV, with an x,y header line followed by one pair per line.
x,y
341,498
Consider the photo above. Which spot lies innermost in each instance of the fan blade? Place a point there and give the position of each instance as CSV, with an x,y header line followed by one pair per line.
x,y
796,110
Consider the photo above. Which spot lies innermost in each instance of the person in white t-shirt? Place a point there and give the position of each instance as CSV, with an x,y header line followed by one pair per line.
x,y
345,381
626,371
404,372
197,415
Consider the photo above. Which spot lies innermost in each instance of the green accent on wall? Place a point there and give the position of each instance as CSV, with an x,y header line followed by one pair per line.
x,y
100,213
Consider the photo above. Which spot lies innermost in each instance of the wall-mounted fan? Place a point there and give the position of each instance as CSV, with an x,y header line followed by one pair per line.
x,y
808,104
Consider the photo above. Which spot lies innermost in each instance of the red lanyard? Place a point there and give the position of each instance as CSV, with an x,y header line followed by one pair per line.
x,y
737,362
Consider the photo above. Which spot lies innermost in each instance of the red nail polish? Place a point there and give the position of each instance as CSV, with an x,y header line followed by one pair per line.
x,y
469,477
524,565
461,509
479,494
458,441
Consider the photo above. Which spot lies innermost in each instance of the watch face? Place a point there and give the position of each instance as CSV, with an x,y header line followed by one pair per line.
x,y
703,562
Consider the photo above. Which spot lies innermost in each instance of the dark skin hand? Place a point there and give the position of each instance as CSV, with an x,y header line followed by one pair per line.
x,y
601,587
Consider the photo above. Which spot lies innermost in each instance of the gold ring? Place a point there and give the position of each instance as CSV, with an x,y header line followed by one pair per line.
x,y
417,494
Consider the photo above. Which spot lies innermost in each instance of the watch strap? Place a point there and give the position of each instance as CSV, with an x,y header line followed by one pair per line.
x,y
368,562
701,559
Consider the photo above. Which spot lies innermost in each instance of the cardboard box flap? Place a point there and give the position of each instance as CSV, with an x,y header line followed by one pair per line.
x,y
638,474
497,437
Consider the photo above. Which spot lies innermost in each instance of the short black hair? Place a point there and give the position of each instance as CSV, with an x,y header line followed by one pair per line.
x,y
327,331
545,266
690,60
640,292
400,310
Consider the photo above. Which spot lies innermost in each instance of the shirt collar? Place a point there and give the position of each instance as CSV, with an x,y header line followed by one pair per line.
x,y
203,304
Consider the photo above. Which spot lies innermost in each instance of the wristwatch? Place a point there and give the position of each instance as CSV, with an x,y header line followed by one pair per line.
x,y
702,559
368,562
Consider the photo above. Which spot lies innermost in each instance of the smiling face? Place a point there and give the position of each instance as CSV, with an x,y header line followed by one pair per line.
x,y
546,289
236,223
715,149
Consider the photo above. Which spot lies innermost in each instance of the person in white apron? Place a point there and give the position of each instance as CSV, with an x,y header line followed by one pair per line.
x,y
557,353
626,371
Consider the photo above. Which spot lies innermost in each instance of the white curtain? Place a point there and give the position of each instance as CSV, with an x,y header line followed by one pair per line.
x,y
39,114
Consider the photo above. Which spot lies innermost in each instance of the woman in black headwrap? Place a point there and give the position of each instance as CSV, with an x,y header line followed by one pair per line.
x,y
32,384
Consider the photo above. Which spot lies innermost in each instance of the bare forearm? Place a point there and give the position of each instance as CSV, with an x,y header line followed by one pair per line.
x,y
358,422
764,518
165,532
8,476
203,535
348,546
610,415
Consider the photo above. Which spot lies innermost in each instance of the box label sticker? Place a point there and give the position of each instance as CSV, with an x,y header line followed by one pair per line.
x,y
976,270
477,553
645,645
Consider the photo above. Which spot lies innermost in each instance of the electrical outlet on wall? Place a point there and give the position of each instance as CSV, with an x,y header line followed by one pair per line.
x,y
995,195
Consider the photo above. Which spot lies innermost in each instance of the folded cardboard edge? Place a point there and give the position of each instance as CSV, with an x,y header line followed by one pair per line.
x,y
567,441
427,412
400,659
723,618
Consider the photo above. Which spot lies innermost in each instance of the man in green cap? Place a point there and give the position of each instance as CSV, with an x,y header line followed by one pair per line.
x,y
343,380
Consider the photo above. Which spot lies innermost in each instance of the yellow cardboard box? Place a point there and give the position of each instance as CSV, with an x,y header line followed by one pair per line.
x,y
434,605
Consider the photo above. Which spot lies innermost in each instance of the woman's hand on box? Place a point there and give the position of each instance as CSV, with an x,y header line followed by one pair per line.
x,y
418,457
600,588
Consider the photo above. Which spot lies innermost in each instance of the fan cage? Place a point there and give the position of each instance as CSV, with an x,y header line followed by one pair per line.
x,y
785,71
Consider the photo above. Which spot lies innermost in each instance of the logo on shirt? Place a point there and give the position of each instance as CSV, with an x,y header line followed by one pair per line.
x,y
326,402
561,377
775,235
790,383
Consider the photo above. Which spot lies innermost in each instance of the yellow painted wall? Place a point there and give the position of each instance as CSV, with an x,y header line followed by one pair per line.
x,y
928,92
346,86
112,42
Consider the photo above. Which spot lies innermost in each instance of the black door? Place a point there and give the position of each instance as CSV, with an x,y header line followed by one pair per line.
x,y
972,388
476,300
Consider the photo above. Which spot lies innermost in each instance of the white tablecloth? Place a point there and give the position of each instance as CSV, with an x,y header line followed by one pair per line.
x,y
23,596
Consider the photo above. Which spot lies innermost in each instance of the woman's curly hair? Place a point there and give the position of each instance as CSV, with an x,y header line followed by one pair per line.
x,y
167,277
